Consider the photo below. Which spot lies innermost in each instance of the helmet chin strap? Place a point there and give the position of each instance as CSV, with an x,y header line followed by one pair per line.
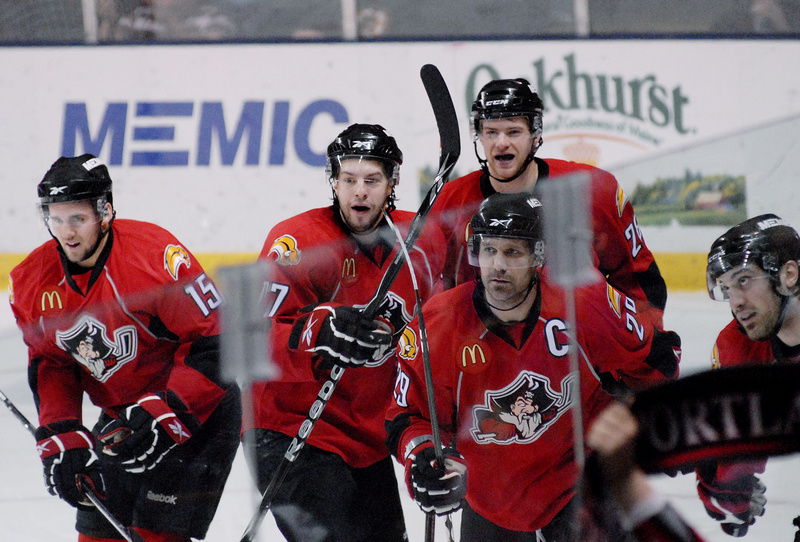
x,y
485,165
782,310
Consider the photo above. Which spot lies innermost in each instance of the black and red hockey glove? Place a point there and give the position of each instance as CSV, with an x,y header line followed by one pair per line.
x,y
66,455
146,431
436,489
343,336
734,503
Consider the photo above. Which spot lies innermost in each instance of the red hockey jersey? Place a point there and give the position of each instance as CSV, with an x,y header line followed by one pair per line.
x,y
620,251
733,348
504,393
144,321
318,261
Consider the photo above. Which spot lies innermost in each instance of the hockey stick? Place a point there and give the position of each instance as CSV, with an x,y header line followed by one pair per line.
x,y
447,124
86,489
20,416
430,517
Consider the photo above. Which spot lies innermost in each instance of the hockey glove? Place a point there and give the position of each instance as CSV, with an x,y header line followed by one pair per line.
x,y
146,431
434,488
66,456
344,336
735,504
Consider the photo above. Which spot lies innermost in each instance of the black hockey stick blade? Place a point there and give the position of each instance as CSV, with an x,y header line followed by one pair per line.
x,y
447,124
443,109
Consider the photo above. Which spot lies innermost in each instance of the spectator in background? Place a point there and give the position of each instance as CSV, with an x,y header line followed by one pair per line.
x,y
760,17
163,20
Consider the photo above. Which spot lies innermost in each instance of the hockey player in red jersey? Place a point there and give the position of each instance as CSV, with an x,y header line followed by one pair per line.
x,y
120,310
754,267
507,121
328,262
500,343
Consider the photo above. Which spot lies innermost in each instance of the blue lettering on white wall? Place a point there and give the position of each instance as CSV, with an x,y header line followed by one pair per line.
x,y
105,134
160,133
212,122
303,128
76,123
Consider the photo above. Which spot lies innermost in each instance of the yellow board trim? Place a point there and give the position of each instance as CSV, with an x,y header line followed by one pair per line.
x,y
681,271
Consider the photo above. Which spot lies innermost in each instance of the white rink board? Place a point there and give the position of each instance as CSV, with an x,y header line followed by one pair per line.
x,y
628,100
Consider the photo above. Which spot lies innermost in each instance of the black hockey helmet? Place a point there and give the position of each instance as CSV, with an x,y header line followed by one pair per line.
x,y
765,240
78,178
370,141
504,98
511,216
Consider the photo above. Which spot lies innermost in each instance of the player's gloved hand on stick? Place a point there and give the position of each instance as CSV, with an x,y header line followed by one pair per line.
x,y
67,455
343,336
735,503
146,431
436,489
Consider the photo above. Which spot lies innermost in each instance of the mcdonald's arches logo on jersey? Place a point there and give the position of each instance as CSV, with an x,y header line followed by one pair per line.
x,y
349,268
285,250
174,257
51,299
407,344
473,358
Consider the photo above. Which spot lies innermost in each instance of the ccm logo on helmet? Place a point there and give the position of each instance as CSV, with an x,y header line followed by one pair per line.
x,y
496,102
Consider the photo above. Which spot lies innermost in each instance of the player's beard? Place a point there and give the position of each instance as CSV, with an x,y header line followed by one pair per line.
x,y
82,253
763,327
361,224
85,250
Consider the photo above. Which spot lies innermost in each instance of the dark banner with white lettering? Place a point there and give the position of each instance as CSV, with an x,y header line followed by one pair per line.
x,y
729,413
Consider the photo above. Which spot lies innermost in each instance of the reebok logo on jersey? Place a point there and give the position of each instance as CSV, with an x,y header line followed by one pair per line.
x,y
166,499
174,257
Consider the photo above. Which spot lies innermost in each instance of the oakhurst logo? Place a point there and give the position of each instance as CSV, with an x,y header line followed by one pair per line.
x,y
638,107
